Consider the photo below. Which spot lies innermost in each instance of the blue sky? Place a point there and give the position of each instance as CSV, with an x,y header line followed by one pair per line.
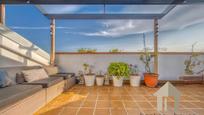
x,y
178,30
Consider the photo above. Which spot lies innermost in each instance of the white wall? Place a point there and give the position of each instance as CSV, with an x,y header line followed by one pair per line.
x,y
19,44
170,66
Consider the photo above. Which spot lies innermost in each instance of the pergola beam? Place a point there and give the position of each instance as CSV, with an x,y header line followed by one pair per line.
x,y
52,36
111,2
156,27
2,14
104,16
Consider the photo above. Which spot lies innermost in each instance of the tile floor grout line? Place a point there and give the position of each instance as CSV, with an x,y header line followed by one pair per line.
x,y
124,106
60,113
124,102
109,90
135,102
80,104
146,100
192,108
95,103
155,108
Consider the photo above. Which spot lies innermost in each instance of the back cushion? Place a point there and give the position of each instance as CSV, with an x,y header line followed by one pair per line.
x,y
11,71
34,74
51,70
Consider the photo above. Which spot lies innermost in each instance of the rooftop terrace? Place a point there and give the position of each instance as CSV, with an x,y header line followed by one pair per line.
x,y
101,57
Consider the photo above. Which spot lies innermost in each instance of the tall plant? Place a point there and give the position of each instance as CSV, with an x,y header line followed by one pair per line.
x,y
87,68
192,61
146,57
134,70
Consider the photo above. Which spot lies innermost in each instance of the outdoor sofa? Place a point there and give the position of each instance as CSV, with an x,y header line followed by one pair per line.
x,y
25,98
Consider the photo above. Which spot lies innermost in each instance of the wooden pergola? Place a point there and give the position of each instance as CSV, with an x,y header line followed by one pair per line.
x,y
53,17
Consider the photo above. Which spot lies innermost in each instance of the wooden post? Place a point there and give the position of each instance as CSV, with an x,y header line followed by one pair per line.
x,y
2,14
52,36
156,45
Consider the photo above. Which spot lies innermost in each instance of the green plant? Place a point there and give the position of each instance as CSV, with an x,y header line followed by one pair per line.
x,y
86,50
81,50
134,70
100,74
191,62
114,50
119,70
146,57
87,68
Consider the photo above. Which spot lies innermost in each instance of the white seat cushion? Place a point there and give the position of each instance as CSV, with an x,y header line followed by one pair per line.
x,y
34,74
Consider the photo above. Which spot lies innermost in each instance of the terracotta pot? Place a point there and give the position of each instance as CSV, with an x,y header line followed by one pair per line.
x,y
151,79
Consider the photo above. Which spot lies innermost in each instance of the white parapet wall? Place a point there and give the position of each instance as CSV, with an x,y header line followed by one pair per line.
x,y
19,45
171,66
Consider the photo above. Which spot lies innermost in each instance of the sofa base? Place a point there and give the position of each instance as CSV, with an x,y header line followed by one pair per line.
x,y
27,106
54,91
68,83
31,104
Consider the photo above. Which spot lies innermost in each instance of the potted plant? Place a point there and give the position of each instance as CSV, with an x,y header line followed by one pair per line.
x,y
191,62
193,68
150,78
99,79
134,75
118,71
89,77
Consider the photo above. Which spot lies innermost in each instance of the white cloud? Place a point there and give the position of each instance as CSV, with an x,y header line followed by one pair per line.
x,y
119,28
180,17
36,28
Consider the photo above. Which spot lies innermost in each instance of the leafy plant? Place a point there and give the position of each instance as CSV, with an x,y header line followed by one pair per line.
x,y
87,68
191,62
119,70
134,70
100,74
86,50
114,50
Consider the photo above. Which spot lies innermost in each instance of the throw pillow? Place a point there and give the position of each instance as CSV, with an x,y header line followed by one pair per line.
x,y
4,79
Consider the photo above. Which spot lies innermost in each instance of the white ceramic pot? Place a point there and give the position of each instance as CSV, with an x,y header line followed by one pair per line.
x,y
135,80
89,80
117,82
99,81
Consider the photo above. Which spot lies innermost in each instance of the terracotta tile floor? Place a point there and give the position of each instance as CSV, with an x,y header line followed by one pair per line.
x,y
126,100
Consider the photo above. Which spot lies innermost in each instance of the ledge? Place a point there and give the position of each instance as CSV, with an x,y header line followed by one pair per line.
x,y
164,53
